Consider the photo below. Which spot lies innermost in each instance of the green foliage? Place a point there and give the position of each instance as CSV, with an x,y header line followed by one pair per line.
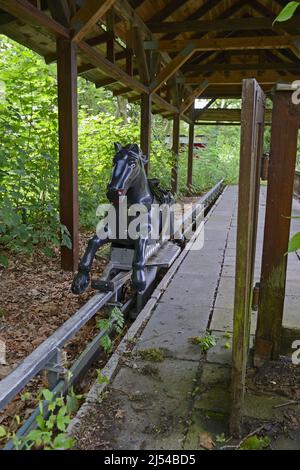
x,y
294,244
51,425
220,159
101,379
114,323
206,342
255,443
287,12
29,163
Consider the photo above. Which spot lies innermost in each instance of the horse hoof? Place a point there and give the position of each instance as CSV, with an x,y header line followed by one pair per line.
x,y
80,283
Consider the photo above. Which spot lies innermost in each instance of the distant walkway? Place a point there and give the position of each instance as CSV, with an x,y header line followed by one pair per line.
x,y
168,404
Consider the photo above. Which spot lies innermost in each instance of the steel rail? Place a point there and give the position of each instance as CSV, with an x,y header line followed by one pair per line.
x,y
42,356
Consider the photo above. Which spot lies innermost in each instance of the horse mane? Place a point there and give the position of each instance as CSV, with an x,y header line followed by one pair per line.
x,y
133,150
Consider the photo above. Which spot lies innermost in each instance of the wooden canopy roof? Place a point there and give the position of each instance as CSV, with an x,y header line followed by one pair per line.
x,y
176,50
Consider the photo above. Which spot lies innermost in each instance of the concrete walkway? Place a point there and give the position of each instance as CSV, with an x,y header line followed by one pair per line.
x,y
166,391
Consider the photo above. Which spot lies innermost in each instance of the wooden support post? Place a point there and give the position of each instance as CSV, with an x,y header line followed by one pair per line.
x,y
68,147
251,149
146,127
190,157
286,121
175,150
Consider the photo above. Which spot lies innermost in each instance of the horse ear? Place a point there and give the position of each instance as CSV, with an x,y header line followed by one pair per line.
x,y
118,147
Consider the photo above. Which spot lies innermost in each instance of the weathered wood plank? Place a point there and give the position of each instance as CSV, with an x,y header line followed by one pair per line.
x,y
286,121
250,157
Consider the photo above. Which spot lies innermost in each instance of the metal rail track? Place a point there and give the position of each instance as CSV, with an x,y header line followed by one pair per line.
x,y
46,357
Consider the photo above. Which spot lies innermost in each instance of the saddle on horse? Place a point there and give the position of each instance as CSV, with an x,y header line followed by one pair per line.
x,y
163,196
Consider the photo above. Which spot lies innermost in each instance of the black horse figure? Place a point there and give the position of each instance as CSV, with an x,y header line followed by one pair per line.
x,y
128,179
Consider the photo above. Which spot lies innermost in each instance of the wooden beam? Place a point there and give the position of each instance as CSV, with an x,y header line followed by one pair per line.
x,y
236,78
111,69
125,11
191,98
252,129
129,62
122,91
60,11
235,24
141,58
175,151
224,44
164,104
225,67
286,122
145,127
172,67
68,147
25,11
222,114
85,19
168,10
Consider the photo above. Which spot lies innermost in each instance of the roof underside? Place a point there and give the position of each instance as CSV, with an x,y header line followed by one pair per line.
x,y
216,43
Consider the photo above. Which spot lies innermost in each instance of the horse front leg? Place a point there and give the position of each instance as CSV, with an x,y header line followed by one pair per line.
x,y
82,278
138,265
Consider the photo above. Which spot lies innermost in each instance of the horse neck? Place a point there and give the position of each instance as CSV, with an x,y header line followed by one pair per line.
x,y
140,191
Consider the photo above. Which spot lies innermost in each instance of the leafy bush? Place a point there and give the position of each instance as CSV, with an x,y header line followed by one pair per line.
x,y
29,162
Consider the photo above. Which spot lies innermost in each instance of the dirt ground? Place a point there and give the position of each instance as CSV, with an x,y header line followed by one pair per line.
x,y
35,300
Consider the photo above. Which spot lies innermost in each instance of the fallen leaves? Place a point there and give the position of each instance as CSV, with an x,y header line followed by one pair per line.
x,y
119,414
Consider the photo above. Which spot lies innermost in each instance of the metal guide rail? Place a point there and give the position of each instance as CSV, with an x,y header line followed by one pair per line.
x,y
47,356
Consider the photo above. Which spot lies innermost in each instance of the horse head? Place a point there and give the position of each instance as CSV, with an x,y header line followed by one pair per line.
x,y
128,163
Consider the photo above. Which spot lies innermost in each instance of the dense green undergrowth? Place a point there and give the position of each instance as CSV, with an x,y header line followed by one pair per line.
x,y
29,172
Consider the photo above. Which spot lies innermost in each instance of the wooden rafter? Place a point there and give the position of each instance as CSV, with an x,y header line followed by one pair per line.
x,y
172,67
111,69
141,57
236,78
225,44
220,114
196,93
225,67
25,11
235,24
85,19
